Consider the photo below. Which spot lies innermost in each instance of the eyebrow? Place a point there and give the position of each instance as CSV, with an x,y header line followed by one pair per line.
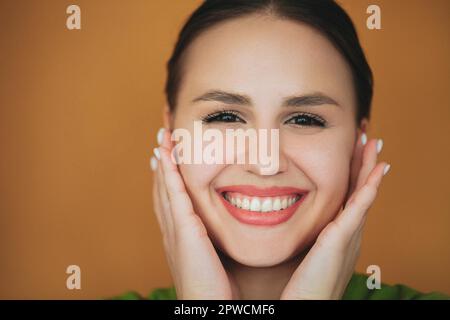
x,y
311,99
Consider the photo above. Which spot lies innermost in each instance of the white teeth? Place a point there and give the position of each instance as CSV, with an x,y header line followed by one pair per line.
x,y
245,204
255,205
284,204
266,205
276,204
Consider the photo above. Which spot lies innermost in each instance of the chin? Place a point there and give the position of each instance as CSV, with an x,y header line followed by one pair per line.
x,y
260,254
262,260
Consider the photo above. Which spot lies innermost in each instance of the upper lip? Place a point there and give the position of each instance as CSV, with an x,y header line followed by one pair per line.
x,y
255,191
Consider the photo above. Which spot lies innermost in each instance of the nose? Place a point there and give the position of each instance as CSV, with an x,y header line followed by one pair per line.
x,y
271,160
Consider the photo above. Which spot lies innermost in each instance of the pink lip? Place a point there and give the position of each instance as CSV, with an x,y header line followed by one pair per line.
x,y
257,218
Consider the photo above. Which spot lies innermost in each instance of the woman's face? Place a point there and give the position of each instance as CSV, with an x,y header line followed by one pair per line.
x,y
269,61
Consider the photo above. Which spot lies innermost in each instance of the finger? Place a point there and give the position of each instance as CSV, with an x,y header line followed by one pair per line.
x,y
156,193
179,200
369,160
356,164
163,199
162,211
356,209
156,201
162,207
161,219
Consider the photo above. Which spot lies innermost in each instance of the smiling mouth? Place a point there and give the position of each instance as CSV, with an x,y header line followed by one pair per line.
x,y
261,204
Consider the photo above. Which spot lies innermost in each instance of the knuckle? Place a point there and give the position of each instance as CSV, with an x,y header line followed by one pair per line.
x,y
368,194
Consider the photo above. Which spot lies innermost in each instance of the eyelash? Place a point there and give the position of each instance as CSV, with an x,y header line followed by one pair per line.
x,y
235,117
215,117
317,121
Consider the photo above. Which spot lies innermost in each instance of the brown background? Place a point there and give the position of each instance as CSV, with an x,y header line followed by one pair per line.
x,y
79,111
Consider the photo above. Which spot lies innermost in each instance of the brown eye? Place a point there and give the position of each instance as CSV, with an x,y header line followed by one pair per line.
x,y
223,116
306,120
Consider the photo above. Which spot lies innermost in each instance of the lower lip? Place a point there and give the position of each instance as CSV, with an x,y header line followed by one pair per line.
x,y
262,218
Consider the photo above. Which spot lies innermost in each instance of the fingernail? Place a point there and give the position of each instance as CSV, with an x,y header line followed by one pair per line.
x,y
379,145
386,169
363,139
157,154
153,163
160,135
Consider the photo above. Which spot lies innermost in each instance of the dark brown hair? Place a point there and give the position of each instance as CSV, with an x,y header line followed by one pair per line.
x,y
324,15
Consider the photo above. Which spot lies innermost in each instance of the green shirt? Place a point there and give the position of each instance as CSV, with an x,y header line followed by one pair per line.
x,y
356,290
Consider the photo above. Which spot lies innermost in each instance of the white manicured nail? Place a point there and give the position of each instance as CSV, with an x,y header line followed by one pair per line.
x,y
363,139
160,135
379,145
386,169
157,154
153,163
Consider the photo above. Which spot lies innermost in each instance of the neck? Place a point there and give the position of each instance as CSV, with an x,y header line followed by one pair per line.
x,y
260,283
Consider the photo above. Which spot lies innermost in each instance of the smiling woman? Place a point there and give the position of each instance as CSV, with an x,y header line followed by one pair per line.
x,y
229,231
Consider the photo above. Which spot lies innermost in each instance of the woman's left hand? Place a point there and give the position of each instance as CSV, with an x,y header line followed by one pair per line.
x,y
326,270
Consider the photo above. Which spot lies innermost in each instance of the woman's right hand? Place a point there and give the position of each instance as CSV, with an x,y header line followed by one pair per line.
x,y
196,268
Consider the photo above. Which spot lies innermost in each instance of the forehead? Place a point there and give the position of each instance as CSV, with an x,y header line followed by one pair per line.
x,y
266,58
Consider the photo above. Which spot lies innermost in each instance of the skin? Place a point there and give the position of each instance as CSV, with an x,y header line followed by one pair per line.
x,y
312,255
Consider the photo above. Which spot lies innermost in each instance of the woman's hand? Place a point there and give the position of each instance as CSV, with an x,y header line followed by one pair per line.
x,y
326,270
196,268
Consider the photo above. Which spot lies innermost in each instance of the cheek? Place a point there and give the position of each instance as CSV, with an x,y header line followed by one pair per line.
x,y
323,158
199,181
198,177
